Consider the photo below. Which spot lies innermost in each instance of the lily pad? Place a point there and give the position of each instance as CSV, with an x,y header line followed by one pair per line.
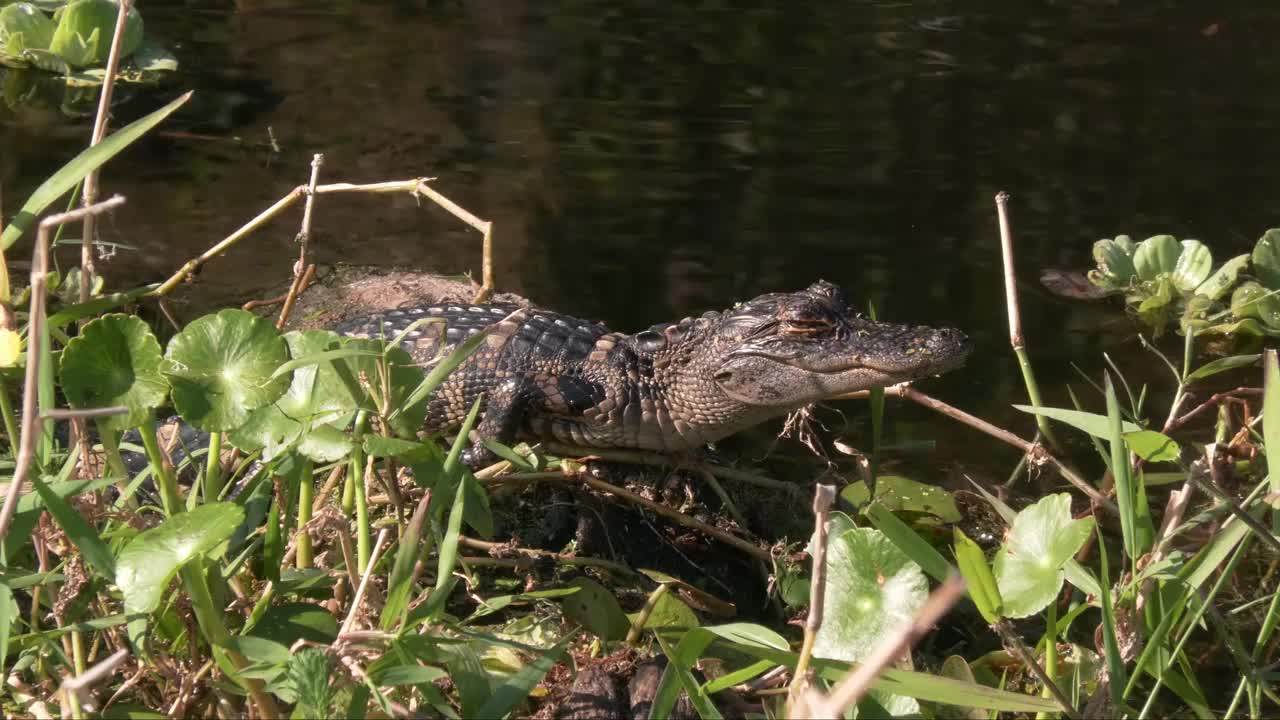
x,y
115,360
150,560
1030,564
220,368
873,589
85,28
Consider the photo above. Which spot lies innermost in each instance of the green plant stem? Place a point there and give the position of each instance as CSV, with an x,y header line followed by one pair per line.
x,y
211,626
306,488
213,468
1033,395
10,420
642,617
1050,651
160,469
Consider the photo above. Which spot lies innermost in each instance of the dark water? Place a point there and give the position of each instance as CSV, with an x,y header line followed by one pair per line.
x,y
646,160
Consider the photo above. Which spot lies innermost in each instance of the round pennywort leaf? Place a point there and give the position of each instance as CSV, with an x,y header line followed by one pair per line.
x,y
220,368
1029,565
873,589
115,360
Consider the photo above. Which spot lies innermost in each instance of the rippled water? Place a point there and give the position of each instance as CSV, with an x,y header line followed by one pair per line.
x,y
645,160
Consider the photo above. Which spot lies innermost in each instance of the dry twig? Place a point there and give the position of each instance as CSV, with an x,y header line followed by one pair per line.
x,y
823,497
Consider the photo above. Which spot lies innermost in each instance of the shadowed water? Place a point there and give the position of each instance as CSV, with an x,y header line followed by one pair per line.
x,y
642,161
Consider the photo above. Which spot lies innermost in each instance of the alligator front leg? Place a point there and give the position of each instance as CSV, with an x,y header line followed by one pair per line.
x,y
504,413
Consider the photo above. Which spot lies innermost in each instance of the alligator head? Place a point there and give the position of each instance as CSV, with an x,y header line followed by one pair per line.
x,y
785,350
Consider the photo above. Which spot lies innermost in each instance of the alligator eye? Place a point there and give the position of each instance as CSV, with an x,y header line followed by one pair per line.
x,y
722,375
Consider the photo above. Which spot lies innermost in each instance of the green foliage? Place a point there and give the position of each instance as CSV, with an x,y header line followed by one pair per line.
x,y
221,368
872,586
115,360
85,28
76,42
1029,566
1164,281
150,560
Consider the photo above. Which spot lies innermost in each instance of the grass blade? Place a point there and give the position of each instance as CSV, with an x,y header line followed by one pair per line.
x,y
910,543
1121,471
1115,665
449,545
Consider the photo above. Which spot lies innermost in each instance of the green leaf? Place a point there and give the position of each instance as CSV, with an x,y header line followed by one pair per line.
x,y
85,538
408,675
908,541
8,611
1193,266
25,20
406,416
309,671
1251,300
682,660
150,560
407,555
1126,492
220,369
749,634
1221,365
1029,565
979,580
1091,423
1115,263
1155,256
1266,259
311,414
596,609
508,695
74,171
259,650
872,590
698,597
668,612
1152,446
448,553
955,668
115,360
900,494
1224,278
291,622
85,28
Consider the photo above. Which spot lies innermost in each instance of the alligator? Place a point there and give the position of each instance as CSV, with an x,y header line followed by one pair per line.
x,y
674,387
